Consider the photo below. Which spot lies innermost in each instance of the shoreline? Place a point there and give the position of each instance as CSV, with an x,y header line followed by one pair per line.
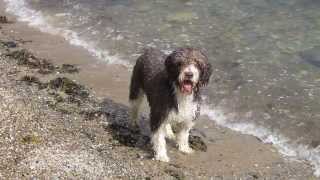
x,y
60,51
227,155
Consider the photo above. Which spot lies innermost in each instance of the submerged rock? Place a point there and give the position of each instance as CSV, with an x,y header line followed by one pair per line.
x,y
311,56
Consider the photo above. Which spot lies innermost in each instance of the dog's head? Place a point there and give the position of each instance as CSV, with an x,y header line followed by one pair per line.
x,y
189,69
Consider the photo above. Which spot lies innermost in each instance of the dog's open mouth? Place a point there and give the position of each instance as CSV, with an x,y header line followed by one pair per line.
x,y
186,86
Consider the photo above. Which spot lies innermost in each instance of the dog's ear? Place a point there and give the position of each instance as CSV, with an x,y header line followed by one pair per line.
x,y
172,66
206,71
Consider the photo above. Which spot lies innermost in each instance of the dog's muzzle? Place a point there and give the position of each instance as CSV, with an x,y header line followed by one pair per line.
x,y
187,84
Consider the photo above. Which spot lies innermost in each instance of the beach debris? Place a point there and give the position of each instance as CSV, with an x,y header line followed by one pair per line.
x,y
311,56
4,19
68,68
9,44
197,143
69,87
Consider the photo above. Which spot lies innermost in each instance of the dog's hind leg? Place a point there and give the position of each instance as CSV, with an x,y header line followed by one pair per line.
x,y
135,105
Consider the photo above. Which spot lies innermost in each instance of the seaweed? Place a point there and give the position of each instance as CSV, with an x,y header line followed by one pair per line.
x,y
31,139
197,143
34,80
68,68
69,87
127,136
24,57
44,66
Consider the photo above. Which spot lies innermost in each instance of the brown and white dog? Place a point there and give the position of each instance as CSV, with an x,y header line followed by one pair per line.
x,y
172,86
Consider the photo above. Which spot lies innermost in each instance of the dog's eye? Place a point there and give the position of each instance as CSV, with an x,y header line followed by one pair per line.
x,y
179,63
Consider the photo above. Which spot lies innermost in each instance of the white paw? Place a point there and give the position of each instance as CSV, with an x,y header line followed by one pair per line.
x,y
163,158
186,149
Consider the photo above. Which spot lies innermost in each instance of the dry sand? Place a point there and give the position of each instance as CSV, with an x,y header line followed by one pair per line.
x,y
48,141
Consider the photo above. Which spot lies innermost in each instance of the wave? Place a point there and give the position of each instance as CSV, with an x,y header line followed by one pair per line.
x,y
37,19
281,143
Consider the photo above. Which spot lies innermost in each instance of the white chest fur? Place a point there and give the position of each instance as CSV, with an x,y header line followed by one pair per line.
x,y
186,109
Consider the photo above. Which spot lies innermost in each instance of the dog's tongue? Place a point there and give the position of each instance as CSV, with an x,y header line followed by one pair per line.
x,y
187,88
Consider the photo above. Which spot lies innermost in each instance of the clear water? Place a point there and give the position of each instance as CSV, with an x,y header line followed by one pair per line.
x,y
266,54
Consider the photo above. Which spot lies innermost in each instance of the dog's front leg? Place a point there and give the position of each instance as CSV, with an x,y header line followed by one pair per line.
x,y
159,144
183,137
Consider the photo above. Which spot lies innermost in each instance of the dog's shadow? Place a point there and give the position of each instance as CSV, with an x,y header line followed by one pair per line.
x,y
117,122
117,116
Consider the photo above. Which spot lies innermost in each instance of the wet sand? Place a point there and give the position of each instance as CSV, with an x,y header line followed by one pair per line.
x,y
230,155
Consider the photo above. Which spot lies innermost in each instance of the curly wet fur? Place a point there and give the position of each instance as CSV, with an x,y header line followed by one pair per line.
x,y
157,76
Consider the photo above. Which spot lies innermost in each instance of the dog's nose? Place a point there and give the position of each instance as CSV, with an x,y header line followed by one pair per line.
x,y
188,75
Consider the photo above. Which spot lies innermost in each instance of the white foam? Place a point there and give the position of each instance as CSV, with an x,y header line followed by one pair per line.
x,y
37,19
283,144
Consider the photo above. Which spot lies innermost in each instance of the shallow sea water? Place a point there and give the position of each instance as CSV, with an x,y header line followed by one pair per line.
x,y
265,54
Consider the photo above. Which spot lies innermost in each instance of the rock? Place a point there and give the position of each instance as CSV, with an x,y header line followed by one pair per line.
x,y
311,56
9,44
197,143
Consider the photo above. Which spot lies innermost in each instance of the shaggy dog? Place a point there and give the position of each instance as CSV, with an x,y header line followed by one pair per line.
x,y
171,84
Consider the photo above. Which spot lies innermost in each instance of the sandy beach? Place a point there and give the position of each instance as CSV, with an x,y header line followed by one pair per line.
x,y
48,132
